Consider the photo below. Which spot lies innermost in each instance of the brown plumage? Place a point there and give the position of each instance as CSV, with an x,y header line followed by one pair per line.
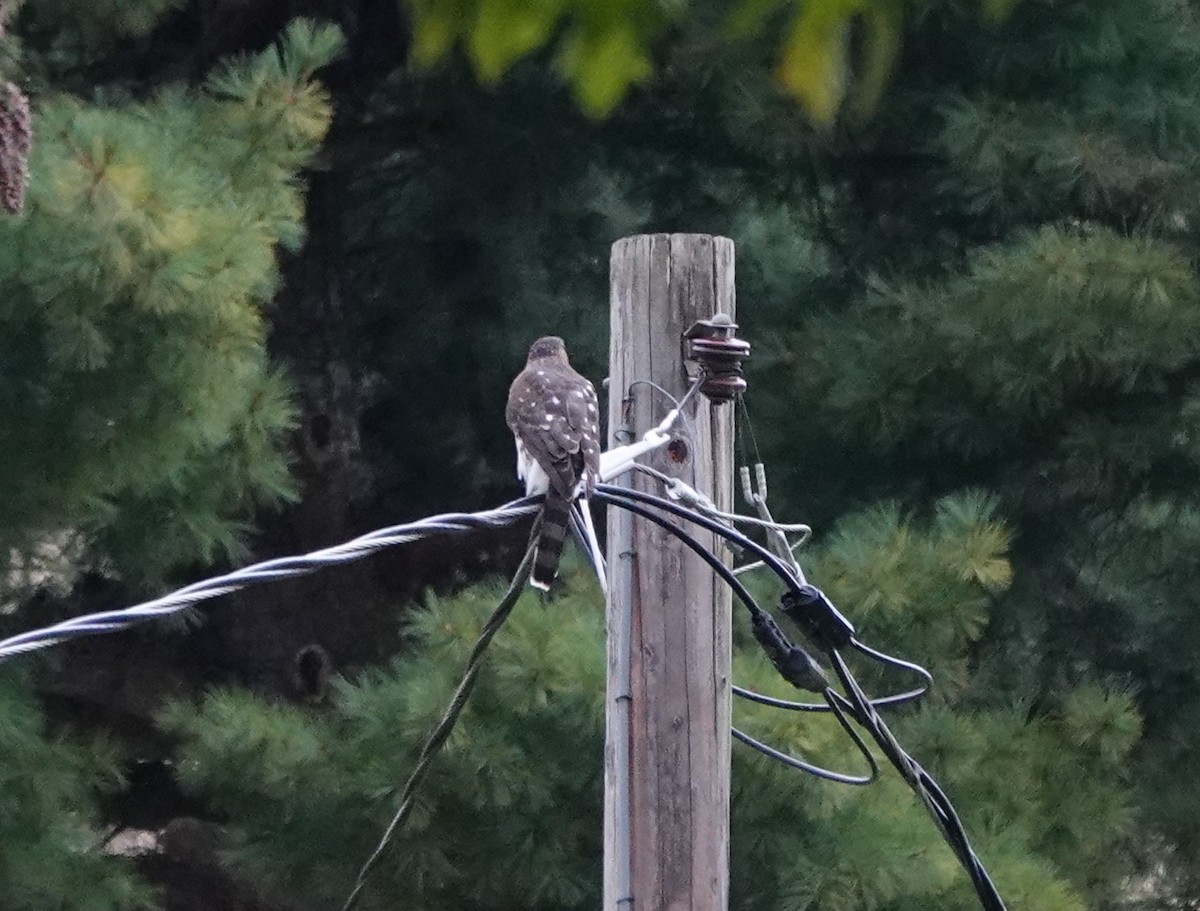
x,y
554,415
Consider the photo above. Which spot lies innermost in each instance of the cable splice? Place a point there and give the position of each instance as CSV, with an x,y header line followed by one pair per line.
x,y
794,664
767,558
807,607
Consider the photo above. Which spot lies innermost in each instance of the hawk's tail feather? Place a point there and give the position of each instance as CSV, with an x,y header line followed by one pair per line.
x,y
556,517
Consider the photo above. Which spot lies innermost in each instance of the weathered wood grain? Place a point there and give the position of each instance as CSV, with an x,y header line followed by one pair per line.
x,y
668,616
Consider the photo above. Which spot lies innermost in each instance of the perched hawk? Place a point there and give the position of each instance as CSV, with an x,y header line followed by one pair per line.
x,y
555,418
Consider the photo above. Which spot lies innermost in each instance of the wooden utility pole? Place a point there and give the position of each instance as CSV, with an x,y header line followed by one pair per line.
x,y
666,769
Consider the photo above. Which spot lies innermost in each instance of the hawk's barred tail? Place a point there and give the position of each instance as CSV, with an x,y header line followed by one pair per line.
x,y
556,517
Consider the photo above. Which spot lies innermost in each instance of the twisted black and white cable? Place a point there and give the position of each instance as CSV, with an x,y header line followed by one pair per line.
x,y
267,571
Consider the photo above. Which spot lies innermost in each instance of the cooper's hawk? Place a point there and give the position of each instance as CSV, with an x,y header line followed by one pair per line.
x,y
555,417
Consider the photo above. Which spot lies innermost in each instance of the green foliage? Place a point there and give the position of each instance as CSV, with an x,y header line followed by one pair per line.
x,y
925,592
606,48
51,857
510,815
135,354
1086,112
456,250
98,23
1046,330
499,219
989,285
1027,324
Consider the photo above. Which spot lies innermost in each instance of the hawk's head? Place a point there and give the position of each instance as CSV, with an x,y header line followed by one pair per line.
x,y
549,347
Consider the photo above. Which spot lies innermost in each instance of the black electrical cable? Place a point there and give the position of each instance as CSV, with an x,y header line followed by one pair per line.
x,y
615,496
793,762
730,534
805,604
112,621
817,707
922,783
580,533
884,658
892,700
813,611
756,611
439,734
782,571
607,496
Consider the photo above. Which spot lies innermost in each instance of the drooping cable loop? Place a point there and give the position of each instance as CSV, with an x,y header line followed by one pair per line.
x,y
811,769
837,706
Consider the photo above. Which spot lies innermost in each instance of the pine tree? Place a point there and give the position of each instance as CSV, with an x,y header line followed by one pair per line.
x,y
1047,350
50,844
989,283
133,316
927,239
141,419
